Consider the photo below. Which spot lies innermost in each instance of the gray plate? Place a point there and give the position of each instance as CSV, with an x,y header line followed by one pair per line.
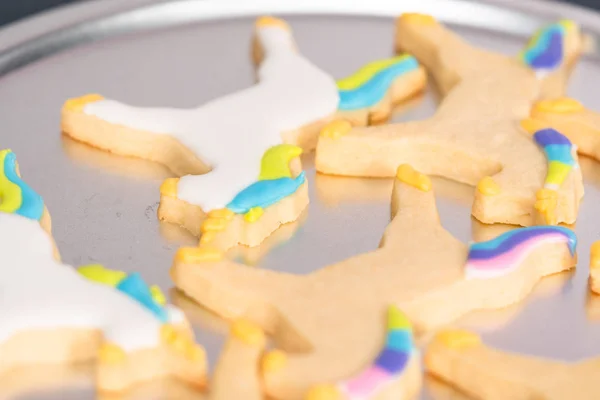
x,y
187,52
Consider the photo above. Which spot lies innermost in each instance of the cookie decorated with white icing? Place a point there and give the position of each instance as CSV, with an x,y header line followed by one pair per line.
x,y
475,136
330,325
51,313
237,155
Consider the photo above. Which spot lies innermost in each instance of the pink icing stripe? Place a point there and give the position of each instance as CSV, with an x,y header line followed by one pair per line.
x,y
366,383
505,263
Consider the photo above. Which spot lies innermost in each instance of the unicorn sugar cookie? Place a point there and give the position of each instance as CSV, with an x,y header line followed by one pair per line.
x,y
238,155
330,324
475,136
462,360
50,313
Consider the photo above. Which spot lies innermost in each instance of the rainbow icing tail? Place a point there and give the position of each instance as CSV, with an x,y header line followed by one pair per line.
x,y
391,362
15,195
369,85
547,48
505,253
560,156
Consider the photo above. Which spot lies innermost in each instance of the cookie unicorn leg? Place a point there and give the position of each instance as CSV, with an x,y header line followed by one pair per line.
x,y
459,358
237,374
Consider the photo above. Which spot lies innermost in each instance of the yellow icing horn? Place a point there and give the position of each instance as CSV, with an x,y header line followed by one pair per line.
x,y
275,163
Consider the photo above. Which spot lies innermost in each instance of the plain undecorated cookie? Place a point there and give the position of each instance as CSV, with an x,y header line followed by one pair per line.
x,y
330,323
475,136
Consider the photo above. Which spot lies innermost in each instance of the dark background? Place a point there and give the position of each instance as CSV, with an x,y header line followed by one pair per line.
x,y
12,10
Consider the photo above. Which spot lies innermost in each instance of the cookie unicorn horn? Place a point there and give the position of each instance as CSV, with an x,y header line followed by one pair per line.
x,y
355,295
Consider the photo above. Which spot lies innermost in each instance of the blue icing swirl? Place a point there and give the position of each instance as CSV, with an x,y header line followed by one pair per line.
x,y
264,193
135,287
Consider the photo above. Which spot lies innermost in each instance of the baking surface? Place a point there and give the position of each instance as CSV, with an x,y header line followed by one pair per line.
x,y
104,207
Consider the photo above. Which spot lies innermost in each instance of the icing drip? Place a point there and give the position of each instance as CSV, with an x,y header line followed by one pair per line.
x,y
40,293
232,133
15,195
559,153
546,49
369,85
390,363
505,253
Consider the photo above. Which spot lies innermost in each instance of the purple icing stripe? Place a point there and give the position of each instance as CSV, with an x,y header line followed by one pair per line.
x,y
550,136
391,360
514,238
552,53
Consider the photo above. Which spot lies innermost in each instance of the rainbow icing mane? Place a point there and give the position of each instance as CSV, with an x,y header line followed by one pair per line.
x,y
274,183
16,197
505,253
132,285
559,153
370,84
391,362
546,49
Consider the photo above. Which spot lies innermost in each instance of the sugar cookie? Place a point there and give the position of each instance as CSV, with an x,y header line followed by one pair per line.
x,y
50,313
462,360
350,298
237,184
474,137
571,118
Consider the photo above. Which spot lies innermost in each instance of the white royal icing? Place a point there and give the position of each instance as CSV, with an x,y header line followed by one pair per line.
x,y
232,133
38,293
